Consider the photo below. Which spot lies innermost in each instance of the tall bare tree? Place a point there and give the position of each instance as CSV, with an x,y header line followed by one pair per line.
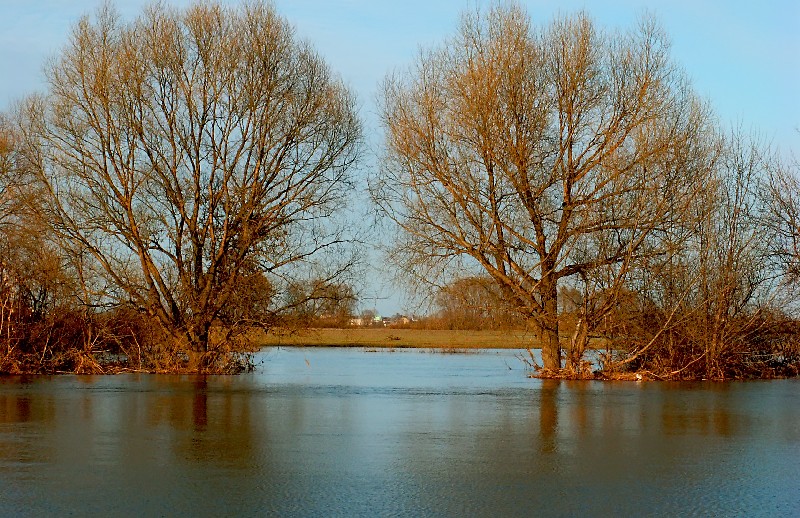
x,y
188,148
539,154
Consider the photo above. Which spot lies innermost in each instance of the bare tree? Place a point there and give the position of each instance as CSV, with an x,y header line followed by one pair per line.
x,y
187,149
9,212
319,302
474,303
720,305
538,155
735,282
35,285
783,199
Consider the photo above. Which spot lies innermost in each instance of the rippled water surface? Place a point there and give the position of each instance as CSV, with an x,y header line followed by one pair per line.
x,y
335,432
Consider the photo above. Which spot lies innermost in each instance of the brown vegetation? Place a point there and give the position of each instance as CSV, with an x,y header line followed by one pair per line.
x,y
190,165
567,157
180,184
474,303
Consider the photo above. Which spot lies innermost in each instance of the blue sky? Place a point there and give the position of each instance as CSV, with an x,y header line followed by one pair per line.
x,y
742,55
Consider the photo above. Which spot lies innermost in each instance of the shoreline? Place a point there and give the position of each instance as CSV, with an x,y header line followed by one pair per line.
x,y
398,338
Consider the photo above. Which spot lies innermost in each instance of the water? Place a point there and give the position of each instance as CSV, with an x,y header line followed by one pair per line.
x,y
335,432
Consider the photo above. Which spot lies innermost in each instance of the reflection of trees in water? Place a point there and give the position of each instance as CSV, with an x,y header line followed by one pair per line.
x,y
548,416
20,407
608,437
205,420
130,419
15,409
705,409
455,451
200,406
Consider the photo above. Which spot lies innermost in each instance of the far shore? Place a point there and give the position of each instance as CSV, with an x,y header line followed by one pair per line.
x,y
396,338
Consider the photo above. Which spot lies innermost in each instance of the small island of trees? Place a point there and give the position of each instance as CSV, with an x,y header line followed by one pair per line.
x,y
185,181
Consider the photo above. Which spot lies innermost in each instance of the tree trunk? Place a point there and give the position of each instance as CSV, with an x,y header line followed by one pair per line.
x,y
198,347
577,345
551,346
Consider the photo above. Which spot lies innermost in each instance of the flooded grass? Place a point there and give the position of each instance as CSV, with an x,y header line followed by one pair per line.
x,y
390,338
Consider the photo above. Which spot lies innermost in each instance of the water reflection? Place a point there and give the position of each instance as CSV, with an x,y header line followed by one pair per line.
x,y
387,434
548,416
15,409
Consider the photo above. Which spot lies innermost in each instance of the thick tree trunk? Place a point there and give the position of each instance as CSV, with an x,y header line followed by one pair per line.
x,y
551,346
198,347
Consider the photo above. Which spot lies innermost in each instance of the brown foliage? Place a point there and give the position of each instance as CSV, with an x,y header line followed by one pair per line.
x,y
538,155
195,161
475,303
568,158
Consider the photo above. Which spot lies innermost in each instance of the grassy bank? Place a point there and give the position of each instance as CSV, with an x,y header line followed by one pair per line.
x,y
400,338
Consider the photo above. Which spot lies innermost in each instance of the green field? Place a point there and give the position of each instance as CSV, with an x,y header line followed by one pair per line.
x,y
398,338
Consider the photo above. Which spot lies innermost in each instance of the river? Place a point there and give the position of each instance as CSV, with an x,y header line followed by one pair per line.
x,y
345,432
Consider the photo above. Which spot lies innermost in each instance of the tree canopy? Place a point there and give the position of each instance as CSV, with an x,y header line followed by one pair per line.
x,y
539,154
186,150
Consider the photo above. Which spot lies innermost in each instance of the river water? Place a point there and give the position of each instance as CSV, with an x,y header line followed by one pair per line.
x,y
345,432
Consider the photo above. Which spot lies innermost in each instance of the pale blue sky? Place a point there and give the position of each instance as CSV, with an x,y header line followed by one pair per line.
x,y
742,55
